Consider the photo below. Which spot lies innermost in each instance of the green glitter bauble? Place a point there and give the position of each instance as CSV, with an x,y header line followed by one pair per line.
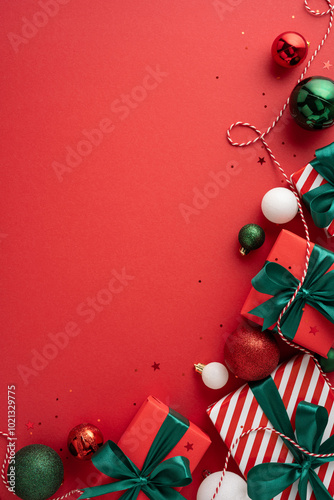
x,y
38,472
250,238
327,364
312,103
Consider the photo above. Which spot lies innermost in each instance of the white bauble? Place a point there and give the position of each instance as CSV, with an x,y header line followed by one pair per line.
x,y
233,487
279,205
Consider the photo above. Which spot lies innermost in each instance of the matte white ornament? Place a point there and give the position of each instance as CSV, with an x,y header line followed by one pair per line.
x,y
233,487
279,205
214,375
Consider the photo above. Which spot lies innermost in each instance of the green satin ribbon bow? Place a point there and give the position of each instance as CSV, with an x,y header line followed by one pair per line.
x,y
317,291
320,200
265,481
156,479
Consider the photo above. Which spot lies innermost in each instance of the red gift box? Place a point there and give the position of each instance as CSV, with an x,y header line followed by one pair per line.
x,y
306,179
315,331
297,380
139,435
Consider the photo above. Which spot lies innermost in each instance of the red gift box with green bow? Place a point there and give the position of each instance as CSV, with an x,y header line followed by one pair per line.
x,y
153,459
309,320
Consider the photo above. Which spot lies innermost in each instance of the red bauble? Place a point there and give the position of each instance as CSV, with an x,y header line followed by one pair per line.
x,y
250,353
289,49
84,440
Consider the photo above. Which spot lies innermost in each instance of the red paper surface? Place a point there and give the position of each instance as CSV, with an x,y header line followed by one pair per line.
x,y
135,202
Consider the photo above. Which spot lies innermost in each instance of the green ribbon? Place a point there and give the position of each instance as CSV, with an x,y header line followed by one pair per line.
x,y
320,201
317,291
156,479
265,481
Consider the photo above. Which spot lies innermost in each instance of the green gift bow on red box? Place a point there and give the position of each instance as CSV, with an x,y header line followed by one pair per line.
x,y
157,478
320,200
317,291
265,481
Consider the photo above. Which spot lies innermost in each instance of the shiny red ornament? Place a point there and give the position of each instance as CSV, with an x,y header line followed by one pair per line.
x,y
250,353
289,49
84,440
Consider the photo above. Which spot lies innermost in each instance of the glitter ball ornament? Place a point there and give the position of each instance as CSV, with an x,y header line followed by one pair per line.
x,y
250,353
251,237
289,49
233,487
38,472
312,103
279,205
327,364
84,440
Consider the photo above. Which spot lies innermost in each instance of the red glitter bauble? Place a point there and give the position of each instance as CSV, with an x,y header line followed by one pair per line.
x,y
250,353
289,49
84,440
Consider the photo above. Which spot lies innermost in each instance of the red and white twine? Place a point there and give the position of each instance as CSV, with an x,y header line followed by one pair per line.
x,y
260,136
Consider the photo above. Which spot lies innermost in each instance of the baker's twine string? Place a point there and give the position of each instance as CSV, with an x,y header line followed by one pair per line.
x,y
260,136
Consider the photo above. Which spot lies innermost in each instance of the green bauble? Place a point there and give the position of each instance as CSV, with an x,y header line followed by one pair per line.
x,y
327,364
250,238
312,103
38,472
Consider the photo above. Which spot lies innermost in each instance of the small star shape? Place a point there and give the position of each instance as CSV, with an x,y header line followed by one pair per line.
x,y
327,65
30,425
313,329
261,160
189,446
156,366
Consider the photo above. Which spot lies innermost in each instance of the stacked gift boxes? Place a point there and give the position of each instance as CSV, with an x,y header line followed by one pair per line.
x,y
297,380
309,323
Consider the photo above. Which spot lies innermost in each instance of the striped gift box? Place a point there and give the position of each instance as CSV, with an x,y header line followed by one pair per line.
x,y
307,179
297,380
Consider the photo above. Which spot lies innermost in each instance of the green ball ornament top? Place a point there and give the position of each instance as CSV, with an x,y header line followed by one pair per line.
x,y
38,472
251,237
312,103
327,364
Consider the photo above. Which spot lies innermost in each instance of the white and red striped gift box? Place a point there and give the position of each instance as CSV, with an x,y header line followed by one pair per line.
x,y
307,179
297,380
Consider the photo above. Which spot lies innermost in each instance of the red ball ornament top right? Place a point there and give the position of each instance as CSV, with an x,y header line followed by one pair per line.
x,y
289,49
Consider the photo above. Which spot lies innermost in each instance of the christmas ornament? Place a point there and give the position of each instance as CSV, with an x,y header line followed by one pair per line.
x,y
250,353
289,49
233,487
38,472
84,440
214,375
327,364
279,205
312,103
251,237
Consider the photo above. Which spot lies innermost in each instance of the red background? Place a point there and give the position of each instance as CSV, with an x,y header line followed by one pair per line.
x,y
62,236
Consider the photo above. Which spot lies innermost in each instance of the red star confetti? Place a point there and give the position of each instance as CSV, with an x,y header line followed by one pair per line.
x,y
313,330
261,160
189,446
327,65
156,366
30,425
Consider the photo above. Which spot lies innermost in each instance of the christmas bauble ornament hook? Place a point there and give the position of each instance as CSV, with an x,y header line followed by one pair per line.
x,y
214,375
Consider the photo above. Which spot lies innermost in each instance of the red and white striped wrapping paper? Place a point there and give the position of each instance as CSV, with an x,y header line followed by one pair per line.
x,y
306,179
297,380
